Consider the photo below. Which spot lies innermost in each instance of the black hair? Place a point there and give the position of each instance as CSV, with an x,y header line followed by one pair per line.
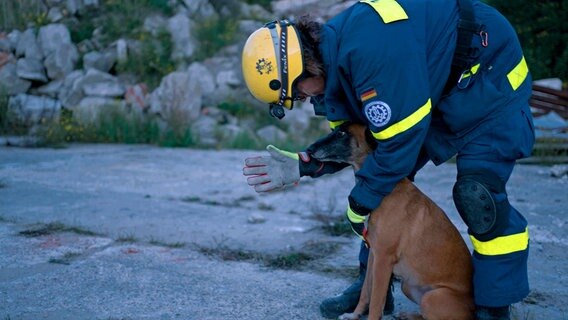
x,y
309,30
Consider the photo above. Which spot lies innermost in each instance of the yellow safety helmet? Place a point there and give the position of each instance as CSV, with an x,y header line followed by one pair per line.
x,y
272,64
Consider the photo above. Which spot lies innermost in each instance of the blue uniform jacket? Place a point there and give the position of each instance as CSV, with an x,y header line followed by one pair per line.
x,y
387,63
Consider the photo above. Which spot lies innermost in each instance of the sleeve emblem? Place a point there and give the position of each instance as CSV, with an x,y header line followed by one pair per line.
x,y
378,113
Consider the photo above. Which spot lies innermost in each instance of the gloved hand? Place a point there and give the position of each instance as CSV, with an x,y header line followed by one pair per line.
x,y
267,173
356,214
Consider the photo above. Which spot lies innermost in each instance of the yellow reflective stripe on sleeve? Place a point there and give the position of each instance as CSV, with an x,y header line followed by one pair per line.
x,y
502,245
353,217
335,124
518,75
389,10
405,123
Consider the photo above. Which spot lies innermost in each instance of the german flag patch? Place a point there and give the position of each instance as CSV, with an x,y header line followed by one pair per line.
x,y
368,94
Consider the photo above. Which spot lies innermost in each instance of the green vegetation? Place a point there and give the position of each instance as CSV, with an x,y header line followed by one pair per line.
x,y
9,124
55,227
125,18
149,61
263,3
543,32
340,227
549,150
119,18
172,245
4,219
16,14
82,29
153,60
243,140
258,117
115,125
3,113
237,109
291,260
129,238
66,259
214,34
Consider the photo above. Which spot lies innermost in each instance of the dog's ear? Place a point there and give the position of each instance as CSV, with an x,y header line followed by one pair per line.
x,y
363,135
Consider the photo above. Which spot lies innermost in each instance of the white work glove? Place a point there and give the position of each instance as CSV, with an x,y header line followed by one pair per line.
x,y
267,173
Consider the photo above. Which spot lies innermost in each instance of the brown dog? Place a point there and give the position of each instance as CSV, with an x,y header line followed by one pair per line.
x,y
410,236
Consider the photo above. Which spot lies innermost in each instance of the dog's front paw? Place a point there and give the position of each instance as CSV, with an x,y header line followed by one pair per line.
x,y
349,316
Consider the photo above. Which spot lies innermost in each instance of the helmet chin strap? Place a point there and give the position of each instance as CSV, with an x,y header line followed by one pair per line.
x,y
277,111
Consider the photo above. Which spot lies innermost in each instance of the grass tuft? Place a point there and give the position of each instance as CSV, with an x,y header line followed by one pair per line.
x,y
129,238
191,199
17,14
9,220
173,245
114,125
265,207
333,225
55,227
66,259
292,260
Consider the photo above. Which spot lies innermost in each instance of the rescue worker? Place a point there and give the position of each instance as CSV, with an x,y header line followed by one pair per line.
x,y
431,79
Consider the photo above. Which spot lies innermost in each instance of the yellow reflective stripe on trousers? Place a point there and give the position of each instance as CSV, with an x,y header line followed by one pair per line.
x,y
405,123
335,124
518,75
389,10
502,245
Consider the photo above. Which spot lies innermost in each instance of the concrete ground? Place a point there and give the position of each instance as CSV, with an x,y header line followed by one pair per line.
x,y
141,232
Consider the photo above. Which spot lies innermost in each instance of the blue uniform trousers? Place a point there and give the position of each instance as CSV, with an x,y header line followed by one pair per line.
x,y
500,265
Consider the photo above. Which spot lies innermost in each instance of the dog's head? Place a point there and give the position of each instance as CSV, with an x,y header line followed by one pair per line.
x,y
349,143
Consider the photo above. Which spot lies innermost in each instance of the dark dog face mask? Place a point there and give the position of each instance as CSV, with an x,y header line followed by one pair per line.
x,y
349,143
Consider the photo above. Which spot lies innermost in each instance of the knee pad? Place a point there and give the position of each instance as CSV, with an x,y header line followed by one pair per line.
x,y
474,197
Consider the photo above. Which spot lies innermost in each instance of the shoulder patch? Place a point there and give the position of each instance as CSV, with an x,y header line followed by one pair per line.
x,y
378,113
388,10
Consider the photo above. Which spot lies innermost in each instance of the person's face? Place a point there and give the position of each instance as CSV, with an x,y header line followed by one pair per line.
x,y
310,87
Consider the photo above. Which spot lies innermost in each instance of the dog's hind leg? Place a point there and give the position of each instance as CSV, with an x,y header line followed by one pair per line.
x,y
446,304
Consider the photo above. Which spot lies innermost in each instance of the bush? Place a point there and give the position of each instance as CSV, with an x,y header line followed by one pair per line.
x,y
114,125
543,32
83,29
9,124
214,34
124,18
153,61
16,14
